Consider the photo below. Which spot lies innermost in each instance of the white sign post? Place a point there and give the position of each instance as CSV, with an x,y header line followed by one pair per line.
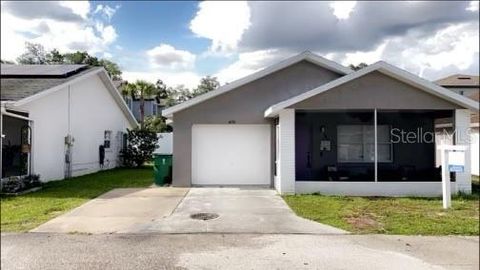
x,y
453,160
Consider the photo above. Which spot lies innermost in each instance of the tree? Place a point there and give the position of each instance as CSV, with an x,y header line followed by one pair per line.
x,y
140,146
141,89
357,67
34,55
162,89
177,94
78,58
112,69
207,84
156,124
55,57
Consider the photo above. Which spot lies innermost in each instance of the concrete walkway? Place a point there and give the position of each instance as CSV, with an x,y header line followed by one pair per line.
x,y
236,251
120,210
239,210
169,210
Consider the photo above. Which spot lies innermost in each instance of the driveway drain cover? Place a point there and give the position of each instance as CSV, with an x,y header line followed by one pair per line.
x,y
204,216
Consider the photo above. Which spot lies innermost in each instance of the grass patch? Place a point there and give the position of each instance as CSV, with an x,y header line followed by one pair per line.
x,y
25,212
408,216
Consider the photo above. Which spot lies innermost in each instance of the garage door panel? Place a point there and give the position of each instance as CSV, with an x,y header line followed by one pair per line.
x,y
231,155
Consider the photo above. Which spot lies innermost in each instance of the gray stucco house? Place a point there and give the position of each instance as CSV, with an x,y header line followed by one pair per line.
x,y
308,124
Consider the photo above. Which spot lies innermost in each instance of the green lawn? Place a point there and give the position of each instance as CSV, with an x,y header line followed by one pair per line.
x,y
413,216
25,212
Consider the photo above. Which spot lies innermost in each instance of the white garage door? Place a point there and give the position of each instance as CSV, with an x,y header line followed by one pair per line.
x,y
231,155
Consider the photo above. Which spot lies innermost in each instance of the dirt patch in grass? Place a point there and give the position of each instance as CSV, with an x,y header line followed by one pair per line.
x,y
408,216
364,223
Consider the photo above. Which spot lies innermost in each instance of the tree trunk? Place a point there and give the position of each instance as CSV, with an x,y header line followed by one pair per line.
x,y
142,110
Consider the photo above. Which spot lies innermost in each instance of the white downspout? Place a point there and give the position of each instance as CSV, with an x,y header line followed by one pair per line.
x,y
375,144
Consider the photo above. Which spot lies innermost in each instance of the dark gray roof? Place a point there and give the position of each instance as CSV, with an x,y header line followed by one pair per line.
x,y
13,89
40,70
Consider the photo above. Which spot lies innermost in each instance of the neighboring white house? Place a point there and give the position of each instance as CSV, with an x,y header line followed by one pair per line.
x,y
65,114
469,86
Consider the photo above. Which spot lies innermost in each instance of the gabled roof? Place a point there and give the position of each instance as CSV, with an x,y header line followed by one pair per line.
x,y
459,80
305,56
388,70
17,87
100,71
40,71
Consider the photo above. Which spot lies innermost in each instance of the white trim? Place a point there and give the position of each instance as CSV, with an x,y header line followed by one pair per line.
x,y
375,143
118,98
54,89
286,174
423,189
388,70
95,71
16,116
305,56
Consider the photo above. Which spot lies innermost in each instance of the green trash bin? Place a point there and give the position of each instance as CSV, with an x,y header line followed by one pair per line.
x,y
162,169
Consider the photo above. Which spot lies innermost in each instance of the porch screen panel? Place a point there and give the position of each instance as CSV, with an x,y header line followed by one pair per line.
x,y
356,143
407,151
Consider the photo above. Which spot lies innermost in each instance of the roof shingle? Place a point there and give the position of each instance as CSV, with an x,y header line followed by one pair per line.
x,y
13,89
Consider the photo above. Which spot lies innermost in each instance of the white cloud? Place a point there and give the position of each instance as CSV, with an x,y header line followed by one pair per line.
x,y
250,62
81,8
106,11
188,79
473,6
368,57
166,56
342,9
222,22
88,34
454,49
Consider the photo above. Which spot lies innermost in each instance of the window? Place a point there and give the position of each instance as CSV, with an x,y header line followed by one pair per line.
x,y
356,143
107,137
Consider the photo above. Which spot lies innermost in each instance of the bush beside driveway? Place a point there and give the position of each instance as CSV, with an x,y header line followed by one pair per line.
x,y
22,213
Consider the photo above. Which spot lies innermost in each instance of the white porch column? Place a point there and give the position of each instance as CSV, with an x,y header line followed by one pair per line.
x,y
286,151
462,137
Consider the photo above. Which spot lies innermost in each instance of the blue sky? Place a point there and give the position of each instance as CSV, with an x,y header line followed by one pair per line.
x,y
180,42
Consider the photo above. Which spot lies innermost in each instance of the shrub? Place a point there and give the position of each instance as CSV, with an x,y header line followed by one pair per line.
x,y
140,146
31,181
14,184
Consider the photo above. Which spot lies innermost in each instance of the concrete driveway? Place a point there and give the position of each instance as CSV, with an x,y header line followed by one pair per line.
x,y
117,211
236,251
169,210
239,210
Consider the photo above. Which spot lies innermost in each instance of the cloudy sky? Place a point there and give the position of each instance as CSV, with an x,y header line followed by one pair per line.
x,y
180,42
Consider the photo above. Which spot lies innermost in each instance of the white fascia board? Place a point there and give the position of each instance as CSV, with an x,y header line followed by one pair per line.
x,y
56,88
388,70
105,79
307,56
275,109
428,86
118,98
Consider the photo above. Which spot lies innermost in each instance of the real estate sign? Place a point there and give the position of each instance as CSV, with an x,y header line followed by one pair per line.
x,y
456,161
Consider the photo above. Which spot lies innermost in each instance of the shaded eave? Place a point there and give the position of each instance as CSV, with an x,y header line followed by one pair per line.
x,y
105,78
388,70
305,56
